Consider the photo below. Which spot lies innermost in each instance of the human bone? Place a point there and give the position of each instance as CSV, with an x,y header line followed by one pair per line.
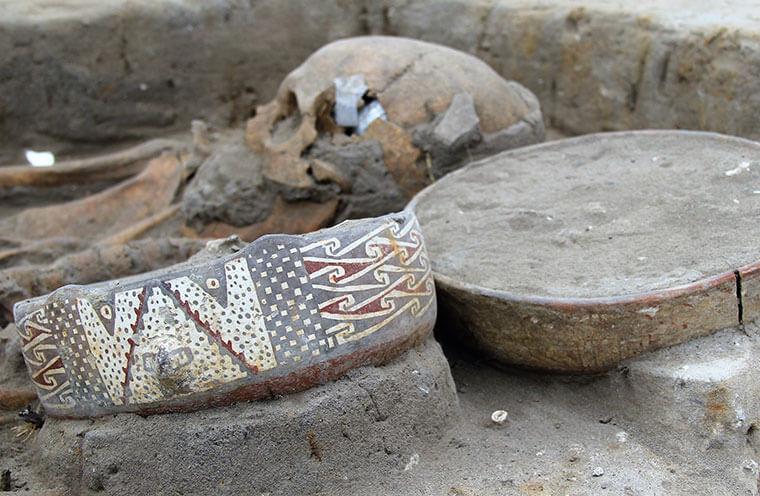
x,y
414,84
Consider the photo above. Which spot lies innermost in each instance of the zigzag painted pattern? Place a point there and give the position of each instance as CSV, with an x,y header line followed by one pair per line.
x,y
282,303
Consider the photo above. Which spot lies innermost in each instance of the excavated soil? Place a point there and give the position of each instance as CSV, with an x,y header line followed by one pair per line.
x,y
597,216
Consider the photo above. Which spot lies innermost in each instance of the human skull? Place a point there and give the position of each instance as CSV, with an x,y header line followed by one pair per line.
x,y
443,108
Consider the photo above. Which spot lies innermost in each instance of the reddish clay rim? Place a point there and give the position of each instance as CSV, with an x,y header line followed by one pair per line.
x,y
749,271
607,303
598,303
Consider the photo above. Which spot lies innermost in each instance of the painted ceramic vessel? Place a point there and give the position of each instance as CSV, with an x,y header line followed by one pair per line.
x,y
281,315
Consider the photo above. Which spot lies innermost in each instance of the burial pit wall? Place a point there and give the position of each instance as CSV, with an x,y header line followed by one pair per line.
x,y
95,73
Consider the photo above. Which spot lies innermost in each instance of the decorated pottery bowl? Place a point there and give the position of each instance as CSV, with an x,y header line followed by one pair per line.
x,y
281,315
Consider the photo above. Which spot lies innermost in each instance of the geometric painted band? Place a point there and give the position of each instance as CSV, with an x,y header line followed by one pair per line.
x,y
283,314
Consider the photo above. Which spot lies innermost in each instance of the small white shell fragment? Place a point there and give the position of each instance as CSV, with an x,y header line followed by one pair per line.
x,y
742,167
598,472
499,417
651,311
40,159
348,92
368,114
413,460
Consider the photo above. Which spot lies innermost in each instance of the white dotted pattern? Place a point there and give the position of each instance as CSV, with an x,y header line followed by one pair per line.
x,y
111,351
163,322
240,324
74,351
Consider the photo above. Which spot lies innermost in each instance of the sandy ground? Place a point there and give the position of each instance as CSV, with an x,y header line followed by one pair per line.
x,y
564,435
553,442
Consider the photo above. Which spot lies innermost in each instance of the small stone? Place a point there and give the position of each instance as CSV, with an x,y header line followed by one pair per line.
x,y
598,472
459,124
499,417
5,480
